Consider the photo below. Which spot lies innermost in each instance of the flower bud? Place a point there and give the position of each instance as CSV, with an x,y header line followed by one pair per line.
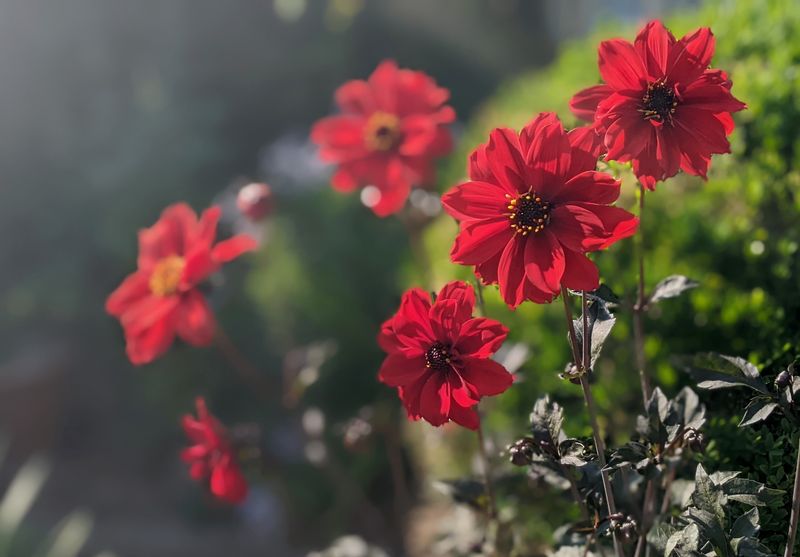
x,y
522,451
783,379
255,201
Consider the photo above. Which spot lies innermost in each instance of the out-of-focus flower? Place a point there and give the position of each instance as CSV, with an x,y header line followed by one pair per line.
x,y
660,107
391,129
439,355
161,299
255,201
534,206
211,456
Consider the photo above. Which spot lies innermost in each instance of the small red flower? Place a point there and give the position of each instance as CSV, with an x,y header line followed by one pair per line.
x,y
660,107
211,457
255,201
439,355
162,299
533,207
391,129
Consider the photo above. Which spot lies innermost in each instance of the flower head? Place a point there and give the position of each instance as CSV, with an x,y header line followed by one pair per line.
x,y
162,299
211,457
660,107
533,207
438,355
391,129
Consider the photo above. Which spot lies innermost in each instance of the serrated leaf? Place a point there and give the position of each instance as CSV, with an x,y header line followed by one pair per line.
x,y
605,295
672,287
711,529
758,410
658,536
751,492
572,452
632,452
546,419
657,410
707,495
717,371
686,410
600,322
687,539
747,525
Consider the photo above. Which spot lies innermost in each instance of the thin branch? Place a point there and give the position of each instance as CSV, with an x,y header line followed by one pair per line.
x,y
639,308
487,471
795,509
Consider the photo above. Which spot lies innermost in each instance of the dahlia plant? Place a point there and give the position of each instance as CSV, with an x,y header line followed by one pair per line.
x,y
534,217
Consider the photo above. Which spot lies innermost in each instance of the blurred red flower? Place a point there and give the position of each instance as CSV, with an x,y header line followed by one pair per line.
x,y
162,299
660,107
255,201
391,129
211,457
439,355
533,207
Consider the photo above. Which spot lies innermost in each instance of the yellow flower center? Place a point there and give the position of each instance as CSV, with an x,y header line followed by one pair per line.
x,y
166,275
382,131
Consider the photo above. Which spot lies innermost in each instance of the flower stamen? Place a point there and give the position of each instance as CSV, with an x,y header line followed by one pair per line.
x,y
166,275
659,102
382,131
438,357
529,213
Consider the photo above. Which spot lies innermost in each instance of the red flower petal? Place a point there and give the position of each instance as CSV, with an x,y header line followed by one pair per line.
x,y
227,482
544,262
579,272
591,186
133,288
511,273
587,146
584,103
195,321
478,241
435,400
621,66
480,337
691,55
150,343
167,236
464,296
398,370
486,376
475,200
230,249
465,417
654,44
355,97
506,162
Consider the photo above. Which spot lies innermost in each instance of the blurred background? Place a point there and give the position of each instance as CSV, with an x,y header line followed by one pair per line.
x,y
109,111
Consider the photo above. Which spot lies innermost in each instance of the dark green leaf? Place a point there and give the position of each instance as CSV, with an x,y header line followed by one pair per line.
x,y
600,322
464,490
758,410
747,525
707,495
716,371
546,419
751,492
672,287
687,539
711,529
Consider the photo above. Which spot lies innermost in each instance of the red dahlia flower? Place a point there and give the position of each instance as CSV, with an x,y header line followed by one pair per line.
x,y
439,355
162,299
211,458
534,205
660,107
391,129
